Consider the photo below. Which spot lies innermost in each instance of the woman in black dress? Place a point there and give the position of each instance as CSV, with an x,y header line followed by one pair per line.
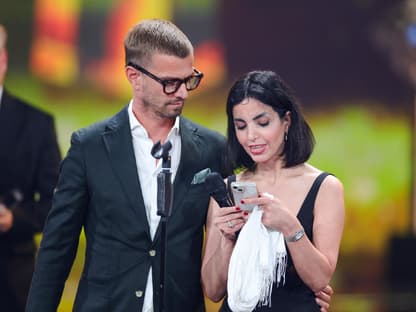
x,y
270,140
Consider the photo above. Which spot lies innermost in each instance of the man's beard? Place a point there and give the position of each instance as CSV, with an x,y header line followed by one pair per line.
x,y
166,110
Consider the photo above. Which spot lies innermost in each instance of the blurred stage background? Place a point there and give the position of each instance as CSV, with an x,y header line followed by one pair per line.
x,y
352,63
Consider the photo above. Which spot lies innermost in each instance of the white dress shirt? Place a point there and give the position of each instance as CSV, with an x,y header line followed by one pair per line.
x,y
148,169
1,94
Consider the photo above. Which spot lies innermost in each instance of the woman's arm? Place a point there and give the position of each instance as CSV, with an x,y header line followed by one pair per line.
x,y
315,263
219,244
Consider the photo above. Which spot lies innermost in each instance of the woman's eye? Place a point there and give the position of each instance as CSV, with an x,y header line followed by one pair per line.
x,y
264,124
240,125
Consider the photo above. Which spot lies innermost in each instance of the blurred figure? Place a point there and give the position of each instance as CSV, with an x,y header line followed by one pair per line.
x,y
29,165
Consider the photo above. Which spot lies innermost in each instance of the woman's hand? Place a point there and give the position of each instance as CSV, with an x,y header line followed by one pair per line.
x,y
275,214
230,220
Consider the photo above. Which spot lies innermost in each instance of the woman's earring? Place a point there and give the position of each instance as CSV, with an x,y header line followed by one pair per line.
x,y
286,136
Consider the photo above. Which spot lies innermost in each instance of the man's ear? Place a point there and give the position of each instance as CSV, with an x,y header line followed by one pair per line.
x,y
132,76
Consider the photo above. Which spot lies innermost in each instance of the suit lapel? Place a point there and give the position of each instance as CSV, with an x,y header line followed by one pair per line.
x,y
190,151
118,141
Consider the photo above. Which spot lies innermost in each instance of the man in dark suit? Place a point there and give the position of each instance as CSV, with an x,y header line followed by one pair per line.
x,y
107,186
29,166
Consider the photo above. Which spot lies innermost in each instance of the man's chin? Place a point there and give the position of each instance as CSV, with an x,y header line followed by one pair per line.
x,y
176,111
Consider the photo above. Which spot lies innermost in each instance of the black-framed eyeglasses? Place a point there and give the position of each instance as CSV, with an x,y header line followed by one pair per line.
x,y
170,86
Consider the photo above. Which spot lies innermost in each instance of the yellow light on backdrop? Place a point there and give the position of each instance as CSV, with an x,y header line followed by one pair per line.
x,y
107,73
54,55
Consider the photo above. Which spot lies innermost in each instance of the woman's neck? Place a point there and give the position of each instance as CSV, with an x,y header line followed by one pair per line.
x,y
273,174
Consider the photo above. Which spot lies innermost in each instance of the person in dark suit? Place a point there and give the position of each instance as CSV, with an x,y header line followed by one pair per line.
x,y
29,167
108,187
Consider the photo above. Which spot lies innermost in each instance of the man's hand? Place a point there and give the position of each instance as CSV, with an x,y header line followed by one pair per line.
x,y
6,219
323,298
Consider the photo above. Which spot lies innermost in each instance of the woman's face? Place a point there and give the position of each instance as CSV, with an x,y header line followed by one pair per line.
x,y
260,130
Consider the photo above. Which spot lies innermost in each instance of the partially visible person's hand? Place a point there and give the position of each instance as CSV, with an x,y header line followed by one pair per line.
x,y
323,298
6,219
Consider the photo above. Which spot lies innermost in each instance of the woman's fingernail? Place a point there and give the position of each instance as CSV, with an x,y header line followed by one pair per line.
x,y
245,213
242,201
237,208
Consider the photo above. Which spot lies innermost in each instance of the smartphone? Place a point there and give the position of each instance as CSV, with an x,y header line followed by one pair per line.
x,y
241,190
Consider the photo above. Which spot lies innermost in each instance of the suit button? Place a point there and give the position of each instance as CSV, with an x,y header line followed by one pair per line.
x,y
139,293
152,253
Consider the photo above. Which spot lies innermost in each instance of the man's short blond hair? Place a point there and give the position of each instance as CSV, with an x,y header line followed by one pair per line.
x,y
155,36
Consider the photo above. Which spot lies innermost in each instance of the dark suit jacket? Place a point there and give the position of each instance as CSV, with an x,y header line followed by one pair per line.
x,y
99,190
29,164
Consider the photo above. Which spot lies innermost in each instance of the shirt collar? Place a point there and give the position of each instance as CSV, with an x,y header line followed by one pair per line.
x,y
135,123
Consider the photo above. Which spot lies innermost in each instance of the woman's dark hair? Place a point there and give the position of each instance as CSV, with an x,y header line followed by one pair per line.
x,y
268,88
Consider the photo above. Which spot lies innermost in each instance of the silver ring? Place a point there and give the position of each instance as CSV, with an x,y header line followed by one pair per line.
x,y
230,224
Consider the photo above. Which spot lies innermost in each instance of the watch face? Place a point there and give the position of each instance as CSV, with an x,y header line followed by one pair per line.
x,y
297,236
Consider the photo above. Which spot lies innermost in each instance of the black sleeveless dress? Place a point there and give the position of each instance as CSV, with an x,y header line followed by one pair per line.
x,y
294,295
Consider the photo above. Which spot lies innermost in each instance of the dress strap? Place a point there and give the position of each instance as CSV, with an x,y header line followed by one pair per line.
x,y
315,186
306,212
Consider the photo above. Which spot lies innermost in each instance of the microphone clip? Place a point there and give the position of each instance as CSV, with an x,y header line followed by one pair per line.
x,y
161,150
164,184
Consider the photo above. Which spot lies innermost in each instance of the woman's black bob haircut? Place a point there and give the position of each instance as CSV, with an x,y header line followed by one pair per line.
x,y
268,88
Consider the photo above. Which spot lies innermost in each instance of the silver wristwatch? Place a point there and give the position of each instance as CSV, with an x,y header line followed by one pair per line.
x,y
295,237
